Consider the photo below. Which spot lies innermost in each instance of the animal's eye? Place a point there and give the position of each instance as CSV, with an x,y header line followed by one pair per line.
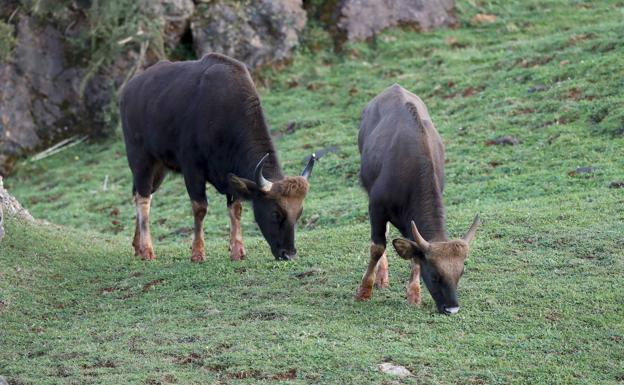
x,y
276,215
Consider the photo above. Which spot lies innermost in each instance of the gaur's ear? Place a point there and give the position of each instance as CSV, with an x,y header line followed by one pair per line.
x,y
243,188
404,248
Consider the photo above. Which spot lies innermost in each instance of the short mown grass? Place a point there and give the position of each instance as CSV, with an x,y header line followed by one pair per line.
x,y
542,298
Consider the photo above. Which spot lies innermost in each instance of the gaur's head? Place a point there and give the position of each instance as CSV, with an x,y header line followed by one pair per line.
x,y
441,264
276,205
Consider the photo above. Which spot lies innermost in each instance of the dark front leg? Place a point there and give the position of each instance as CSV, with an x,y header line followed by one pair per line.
x,y
237,248
413,286
381,279
377,252
365,291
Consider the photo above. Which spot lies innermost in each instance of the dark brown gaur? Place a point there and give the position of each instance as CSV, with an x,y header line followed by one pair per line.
x,y
402,170
203,118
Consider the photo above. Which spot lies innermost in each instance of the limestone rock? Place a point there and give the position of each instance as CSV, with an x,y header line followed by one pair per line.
x,y
362,19
255,32
394,370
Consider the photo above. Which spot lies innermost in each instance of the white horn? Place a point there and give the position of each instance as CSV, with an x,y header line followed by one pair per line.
x,y
420,241
260,180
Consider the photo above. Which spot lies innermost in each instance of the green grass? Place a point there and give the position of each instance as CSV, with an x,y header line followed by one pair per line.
x,y
542,298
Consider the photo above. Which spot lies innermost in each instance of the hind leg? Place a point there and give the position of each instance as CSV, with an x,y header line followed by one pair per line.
x,y
159,174
196,188
199,212
145,173
143,247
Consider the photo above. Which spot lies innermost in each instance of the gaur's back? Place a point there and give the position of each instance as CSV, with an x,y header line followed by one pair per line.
x,y
185,95
398,143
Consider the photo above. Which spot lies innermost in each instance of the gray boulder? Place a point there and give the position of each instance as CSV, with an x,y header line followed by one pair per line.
x,y
362,19
255,32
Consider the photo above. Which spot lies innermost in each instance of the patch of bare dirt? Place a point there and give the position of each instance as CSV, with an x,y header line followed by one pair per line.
x,y
309,273
503,140
151,284
263,315
101,363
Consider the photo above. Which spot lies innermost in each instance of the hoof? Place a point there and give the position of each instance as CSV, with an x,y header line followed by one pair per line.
x,y
363,294
198,257
237,252
147,254
413,300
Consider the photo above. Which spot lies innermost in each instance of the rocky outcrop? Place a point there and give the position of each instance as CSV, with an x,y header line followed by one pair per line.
x,y
39,90
362,19
50,90
41,98
9,206
174,16
257,32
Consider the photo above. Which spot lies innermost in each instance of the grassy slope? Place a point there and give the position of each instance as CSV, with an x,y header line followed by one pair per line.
x,y
542,296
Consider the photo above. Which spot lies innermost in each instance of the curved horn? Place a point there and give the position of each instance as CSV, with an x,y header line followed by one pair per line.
x,y
469,236
420,241
261,182
307,171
